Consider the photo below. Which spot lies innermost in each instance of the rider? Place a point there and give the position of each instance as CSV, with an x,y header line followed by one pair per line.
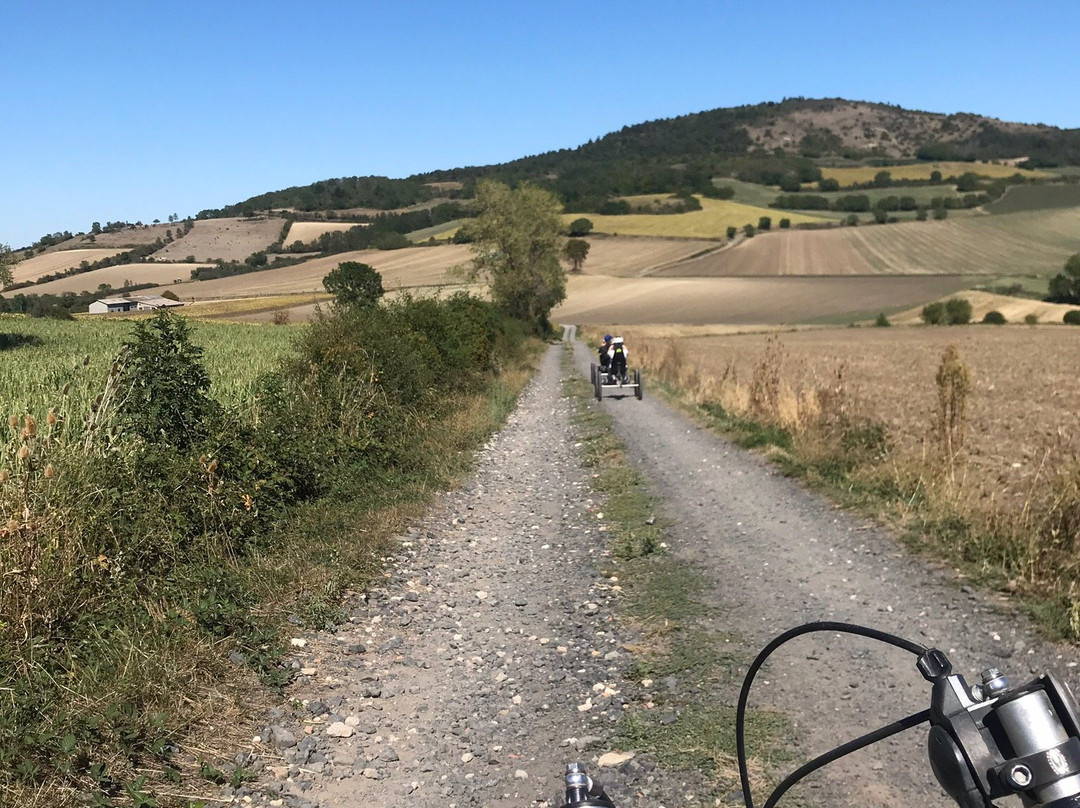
x,y
617,354
605,357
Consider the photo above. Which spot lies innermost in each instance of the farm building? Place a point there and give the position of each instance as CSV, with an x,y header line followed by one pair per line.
x,y
109,305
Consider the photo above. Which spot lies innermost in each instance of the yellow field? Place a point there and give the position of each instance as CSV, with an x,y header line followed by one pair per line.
x,y
307,232
46,264
711,222
922,171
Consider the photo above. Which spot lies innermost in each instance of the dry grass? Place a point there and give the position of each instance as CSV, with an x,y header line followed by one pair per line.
x,y
1021,410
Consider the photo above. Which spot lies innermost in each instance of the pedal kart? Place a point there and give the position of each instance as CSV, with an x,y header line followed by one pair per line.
x,y
603,378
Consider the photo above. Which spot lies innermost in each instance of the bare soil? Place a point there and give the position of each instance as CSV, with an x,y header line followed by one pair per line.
x,y
212,240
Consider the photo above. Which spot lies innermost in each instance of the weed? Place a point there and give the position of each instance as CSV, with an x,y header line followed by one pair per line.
x,y
954,386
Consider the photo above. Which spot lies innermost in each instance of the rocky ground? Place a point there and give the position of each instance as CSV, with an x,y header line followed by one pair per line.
x,y
490,655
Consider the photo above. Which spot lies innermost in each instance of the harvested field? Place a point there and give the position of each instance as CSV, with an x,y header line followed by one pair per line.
x,y
115,277
307,232
630,256
922,171
1021,413
211,240
740,301
47,263
1034,243
406,268
711,222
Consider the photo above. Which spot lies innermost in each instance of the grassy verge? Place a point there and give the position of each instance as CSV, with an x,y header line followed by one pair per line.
x,y
157,544
684,677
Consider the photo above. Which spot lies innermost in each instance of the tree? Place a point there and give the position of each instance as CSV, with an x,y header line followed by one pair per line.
x,y
764,223
732,231
1065,286
576,251
994,317
934,314
354,284
580,227
517,243
7,259
749,230
785,224
883,179
957,311
935,176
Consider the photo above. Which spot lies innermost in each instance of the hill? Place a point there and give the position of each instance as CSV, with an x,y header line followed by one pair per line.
x,y
686,151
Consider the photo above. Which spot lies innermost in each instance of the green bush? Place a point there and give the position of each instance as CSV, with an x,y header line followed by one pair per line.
x,y
957,311
994,318
934,314
785,223
1031,319
1072,317
882,321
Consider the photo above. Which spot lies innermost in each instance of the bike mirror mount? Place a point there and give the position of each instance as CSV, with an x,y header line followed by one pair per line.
x,y
992,740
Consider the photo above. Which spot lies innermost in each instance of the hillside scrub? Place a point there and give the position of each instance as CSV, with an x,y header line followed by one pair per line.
x,y
154,539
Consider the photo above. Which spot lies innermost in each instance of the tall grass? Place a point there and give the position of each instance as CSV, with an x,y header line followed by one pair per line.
x,y
151,553
823,431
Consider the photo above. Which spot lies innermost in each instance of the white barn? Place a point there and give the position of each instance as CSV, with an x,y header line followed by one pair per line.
x,y
110,305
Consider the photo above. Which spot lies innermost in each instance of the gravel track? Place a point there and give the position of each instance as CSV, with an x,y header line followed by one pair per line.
x,y
490,655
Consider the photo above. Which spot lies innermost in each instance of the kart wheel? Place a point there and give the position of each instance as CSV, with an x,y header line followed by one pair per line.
x,y
639,391
598,387
592,374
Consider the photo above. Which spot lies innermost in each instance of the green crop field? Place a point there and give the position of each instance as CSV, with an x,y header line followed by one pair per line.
x,y
1037,197
40,357
711,222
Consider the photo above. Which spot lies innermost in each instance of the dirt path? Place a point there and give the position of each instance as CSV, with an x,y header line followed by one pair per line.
x,y
490,657
779,556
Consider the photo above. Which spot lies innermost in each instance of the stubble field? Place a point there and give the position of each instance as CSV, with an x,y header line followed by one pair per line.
x,y
31,269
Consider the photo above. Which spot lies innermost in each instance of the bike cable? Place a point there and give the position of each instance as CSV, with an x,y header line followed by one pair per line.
x,y
843,749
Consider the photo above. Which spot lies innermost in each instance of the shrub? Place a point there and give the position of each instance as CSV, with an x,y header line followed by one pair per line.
x,y
764,223
994,318
732,231
958,311
1071,317
934,314
749,230
1031,319
581,227
882,321
785,224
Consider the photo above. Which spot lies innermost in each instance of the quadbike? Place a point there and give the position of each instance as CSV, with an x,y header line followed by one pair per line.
x,y
603,378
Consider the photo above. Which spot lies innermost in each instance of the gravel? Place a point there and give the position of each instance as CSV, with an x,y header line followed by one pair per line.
x,y
490,654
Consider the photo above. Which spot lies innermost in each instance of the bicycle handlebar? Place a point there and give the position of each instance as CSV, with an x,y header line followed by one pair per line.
x,y
986,741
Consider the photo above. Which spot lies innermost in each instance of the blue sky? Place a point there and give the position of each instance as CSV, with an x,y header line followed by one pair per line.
x,y
136,110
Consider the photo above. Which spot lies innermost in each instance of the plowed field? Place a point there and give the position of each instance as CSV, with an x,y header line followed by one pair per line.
x,y
224,239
